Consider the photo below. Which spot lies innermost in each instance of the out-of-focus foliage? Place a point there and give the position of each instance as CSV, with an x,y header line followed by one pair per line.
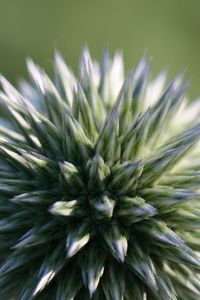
x,y
168,30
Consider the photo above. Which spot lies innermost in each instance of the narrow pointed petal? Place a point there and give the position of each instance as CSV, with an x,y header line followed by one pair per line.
x,y
167,198
166,289
167,105
52,264
113,282
184,276
134,140
107,144
69,284
129,96
161,233
76,145
54,104
89,79
92,266
71,177
124,177
35,198
62,208
88,74
188,179
155,89
98,174
64,78
116,242
164,237
76,240
168,155
133,210
19,259
15,159
111,77
38,235
83,112
142,264
103,207
134,287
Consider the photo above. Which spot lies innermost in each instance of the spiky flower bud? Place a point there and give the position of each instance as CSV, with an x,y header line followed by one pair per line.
x,y
99,183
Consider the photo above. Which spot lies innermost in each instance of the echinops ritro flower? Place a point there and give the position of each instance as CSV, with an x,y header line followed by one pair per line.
x,y
99,184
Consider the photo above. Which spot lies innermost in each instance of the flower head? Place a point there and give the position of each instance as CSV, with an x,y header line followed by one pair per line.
x,y
99,181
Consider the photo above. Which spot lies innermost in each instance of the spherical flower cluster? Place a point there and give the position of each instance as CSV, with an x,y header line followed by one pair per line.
x,y
99,180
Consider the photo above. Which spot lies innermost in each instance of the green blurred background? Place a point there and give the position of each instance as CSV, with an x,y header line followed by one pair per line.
x,y
168,30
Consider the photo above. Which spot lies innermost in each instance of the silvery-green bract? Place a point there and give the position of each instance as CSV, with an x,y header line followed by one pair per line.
x,y
99,185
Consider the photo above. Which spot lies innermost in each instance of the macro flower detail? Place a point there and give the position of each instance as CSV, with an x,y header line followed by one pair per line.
x,y
99,183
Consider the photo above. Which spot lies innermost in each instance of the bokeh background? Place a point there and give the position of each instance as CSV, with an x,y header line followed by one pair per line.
x,y
169,31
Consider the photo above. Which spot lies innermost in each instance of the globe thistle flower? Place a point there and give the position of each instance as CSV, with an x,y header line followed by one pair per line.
x,y
99,183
